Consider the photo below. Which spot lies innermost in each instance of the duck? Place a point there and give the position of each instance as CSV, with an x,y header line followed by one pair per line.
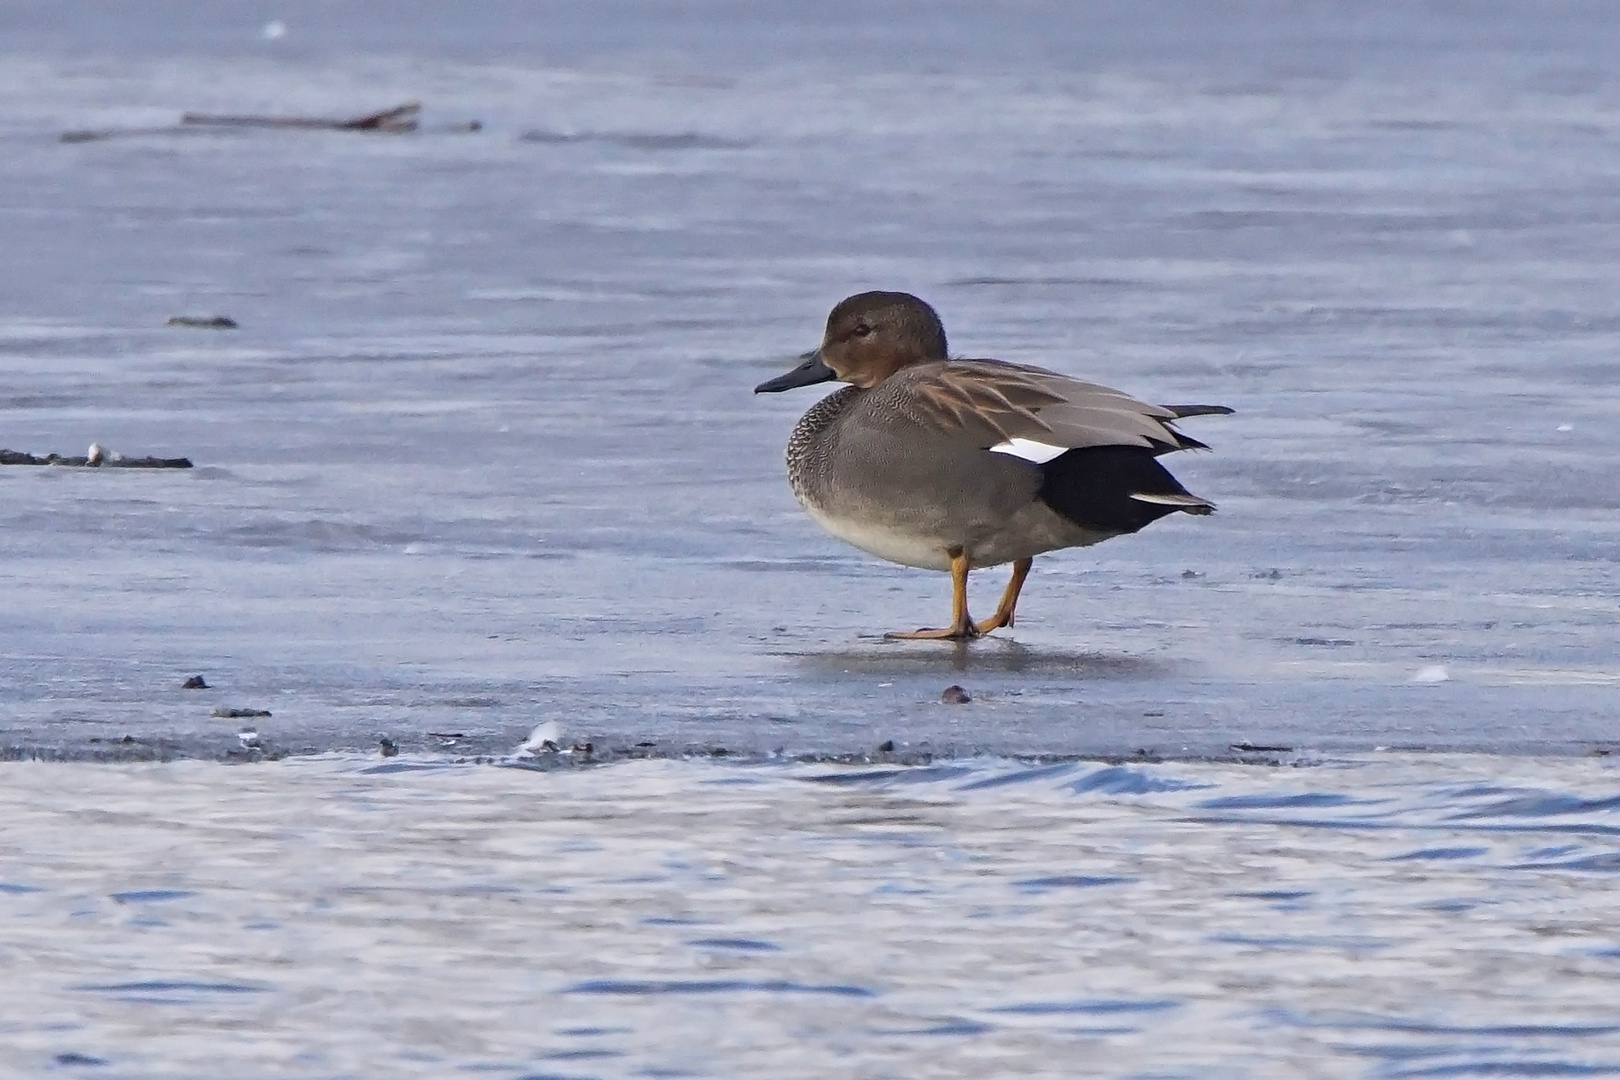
x,y
962,464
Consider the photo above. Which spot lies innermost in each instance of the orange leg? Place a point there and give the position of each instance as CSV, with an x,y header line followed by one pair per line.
x,y
1009,599
961,624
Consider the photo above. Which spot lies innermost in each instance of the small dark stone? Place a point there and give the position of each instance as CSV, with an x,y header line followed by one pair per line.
x,y
203,322
647,744
389,747
955,695
719,751
196,682
127,739
240,714
447,735
886,746
1190,574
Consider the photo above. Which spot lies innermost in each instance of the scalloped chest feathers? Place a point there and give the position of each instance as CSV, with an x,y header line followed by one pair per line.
x,y
809,465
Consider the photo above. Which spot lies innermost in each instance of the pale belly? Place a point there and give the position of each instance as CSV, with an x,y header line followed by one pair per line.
x,y
1032,531
896,546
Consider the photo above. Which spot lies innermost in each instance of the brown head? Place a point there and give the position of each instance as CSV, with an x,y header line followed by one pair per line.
x,y
869,337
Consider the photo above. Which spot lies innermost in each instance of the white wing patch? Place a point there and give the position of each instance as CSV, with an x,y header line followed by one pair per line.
x,y
1037,452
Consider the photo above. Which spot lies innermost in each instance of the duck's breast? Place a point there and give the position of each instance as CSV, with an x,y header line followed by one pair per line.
x,y
877,479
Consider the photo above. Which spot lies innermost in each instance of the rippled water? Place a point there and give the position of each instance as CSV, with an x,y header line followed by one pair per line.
x,y
1391,916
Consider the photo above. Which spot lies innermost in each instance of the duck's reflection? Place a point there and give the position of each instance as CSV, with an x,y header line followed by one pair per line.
x,y
985,655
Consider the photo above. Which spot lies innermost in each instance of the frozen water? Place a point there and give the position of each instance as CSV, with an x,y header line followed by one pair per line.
x,y
484,447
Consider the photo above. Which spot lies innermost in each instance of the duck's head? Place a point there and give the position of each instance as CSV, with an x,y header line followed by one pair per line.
x,y
869,337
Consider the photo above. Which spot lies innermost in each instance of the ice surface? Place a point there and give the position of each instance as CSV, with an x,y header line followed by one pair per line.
x,y
483,452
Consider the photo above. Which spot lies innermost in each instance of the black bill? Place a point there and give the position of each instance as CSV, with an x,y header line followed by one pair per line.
x,y
808,373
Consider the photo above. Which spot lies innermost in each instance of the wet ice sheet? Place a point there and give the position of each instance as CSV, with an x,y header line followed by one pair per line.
x,y
483,452
1390,917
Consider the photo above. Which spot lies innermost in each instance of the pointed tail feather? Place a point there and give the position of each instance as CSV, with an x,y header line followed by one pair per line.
x,y
1191,504
1184,411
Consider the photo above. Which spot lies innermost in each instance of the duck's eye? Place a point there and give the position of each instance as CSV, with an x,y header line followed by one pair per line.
x,y
861,330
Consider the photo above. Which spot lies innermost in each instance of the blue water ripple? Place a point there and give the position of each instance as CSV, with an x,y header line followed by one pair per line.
x,y
1021,776
1374,1022
1061,1008
1279,802
151,895
649,987
741,944
952,1026
1440,853
1543,805
1072,881
173,992
919,775
1607,863
71,1058
1119,780
1507,1068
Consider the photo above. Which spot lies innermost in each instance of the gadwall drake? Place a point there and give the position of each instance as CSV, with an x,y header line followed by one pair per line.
x,y
959,464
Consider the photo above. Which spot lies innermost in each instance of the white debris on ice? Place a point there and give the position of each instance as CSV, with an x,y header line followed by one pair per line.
x,y
546,738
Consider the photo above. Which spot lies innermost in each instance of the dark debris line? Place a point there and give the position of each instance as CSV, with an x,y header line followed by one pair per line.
x,y
82,461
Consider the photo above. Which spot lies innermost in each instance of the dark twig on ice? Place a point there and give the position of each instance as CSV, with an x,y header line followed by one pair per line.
x,y
97,134
399,118
95,459
202,322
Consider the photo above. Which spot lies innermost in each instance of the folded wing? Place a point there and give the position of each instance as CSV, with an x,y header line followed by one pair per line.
x,y
1031,412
